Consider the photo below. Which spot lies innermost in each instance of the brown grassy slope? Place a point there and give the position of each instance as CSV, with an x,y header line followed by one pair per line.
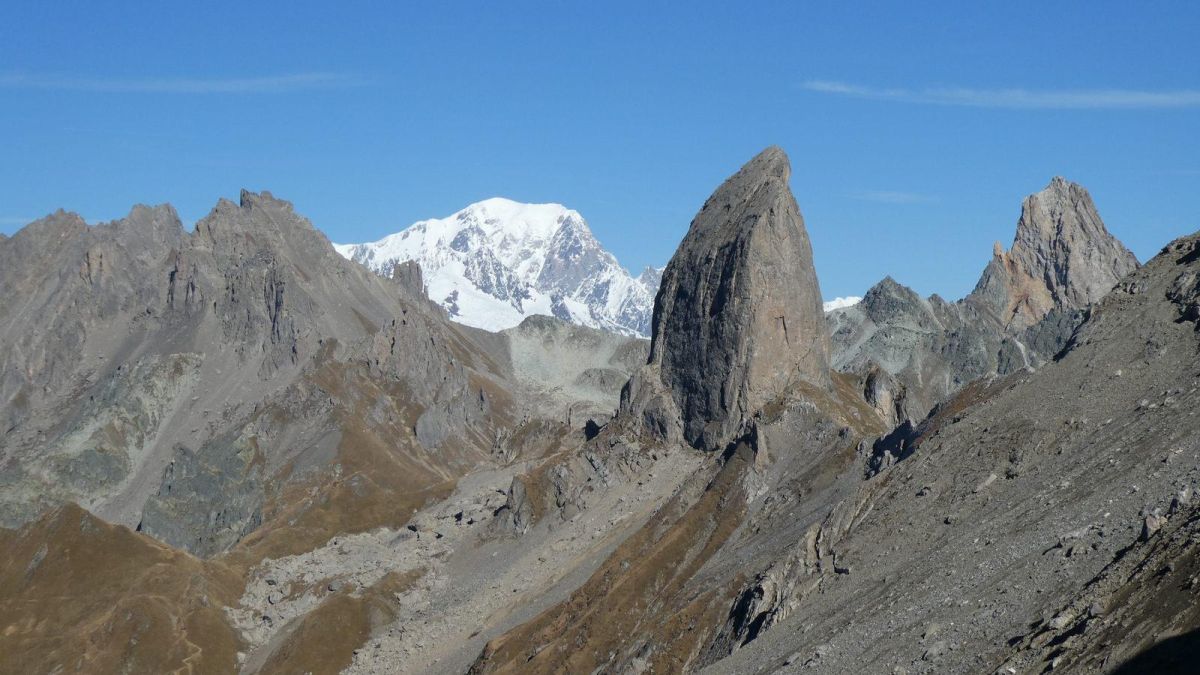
x,y
81,595
637,591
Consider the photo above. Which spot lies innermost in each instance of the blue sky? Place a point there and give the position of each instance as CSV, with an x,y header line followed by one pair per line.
x,y
914,134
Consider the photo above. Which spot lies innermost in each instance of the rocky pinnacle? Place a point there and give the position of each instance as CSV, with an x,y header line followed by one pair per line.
x,y
1061,258
738,318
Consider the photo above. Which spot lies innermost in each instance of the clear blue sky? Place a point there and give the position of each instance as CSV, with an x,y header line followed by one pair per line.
x,y
914,134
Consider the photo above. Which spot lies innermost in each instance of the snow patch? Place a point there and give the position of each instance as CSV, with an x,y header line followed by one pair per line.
x,y
839,303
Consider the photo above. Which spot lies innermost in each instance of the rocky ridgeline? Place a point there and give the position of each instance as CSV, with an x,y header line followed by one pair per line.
x,y
791,553
163,378
912,353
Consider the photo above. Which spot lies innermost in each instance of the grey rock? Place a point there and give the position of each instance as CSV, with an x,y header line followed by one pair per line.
x,y
1151,525
912,353
1062,258
738,318
163,377
650,408
516,515
433,427
408,274
207,500
935,650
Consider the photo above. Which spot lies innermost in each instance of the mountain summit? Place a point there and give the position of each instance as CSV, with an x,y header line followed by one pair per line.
x,y
1062,258
915,352
739,319
498,261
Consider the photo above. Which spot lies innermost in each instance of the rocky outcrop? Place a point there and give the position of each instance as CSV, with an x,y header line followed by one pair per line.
x,y
912,353
409,275
1062,258
738,318
208,500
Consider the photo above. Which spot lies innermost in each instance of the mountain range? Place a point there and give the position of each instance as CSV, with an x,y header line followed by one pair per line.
x,y
234,449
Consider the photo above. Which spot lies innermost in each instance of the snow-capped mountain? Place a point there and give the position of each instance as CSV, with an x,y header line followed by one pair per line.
x,y
498,261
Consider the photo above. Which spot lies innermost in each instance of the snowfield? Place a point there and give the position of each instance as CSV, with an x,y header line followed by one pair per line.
x,y
839,303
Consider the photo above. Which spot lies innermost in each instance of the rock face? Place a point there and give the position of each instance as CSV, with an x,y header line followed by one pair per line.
x,y
738,318
912,353
1062,258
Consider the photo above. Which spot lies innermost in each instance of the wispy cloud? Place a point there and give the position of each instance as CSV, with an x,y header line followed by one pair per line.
x,y
14,220
271,84
1029,99
893,197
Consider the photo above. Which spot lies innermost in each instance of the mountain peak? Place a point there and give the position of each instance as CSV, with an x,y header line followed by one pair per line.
x,y
248,199
651,276
498,261
1062,257
739,317
502,215
504,205
770,167
887,284
50,230
772,161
